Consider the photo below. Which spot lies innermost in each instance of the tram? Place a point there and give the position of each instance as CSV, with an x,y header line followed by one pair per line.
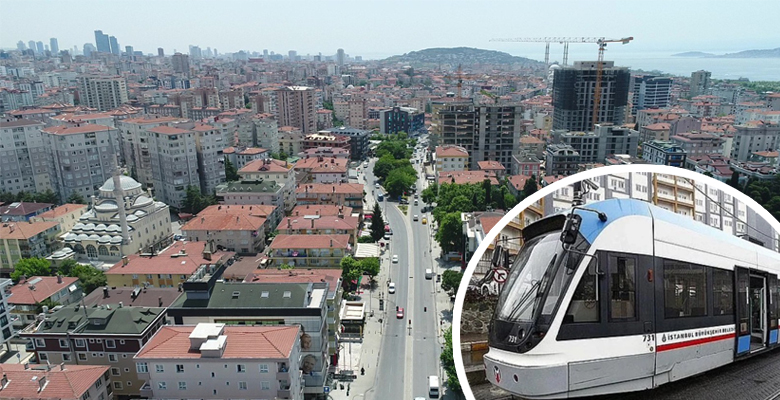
x,y
623,296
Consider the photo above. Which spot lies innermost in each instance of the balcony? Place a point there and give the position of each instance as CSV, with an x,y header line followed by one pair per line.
x,y
283,394
146,390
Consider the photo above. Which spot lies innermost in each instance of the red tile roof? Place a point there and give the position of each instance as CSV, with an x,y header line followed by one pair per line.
x,y
348,223
518,181
270,165
490,165
25,230
466,177
45,288
489,223
22,208
329,275
326,188
224,222
167,130
451,151
310,242
243,342
62,210
68,384
320,209
163,263
659,126
70,130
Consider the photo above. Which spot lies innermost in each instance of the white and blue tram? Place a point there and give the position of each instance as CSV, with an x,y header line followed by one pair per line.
x,y
625,296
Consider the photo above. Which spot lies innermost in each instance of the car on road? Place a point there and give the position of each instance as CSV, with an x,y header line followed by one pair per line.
x,y
376,185
400,313
416,217
391,287
365,165
425,221
387,235
395,258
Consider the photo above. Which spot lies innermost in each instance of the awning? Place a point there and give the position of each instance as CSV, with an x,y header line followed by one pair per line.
x,y
72,288
366,250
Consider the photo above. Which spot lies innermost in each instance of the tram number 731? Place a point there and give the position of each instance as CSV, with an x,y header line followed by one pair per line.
x,y
648,338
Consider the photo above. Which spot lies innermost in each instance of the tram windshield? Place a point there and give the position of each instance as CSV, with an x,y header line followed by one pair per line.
x,y
532,272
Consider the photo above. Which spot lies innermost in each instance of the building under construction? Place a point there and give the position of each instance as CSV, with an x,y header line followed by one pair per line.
x,y
573,94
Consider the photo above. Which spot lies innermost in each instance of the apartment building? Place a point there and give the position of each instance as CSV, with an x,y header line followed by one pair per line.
x,y
241,156
339,194
315,140
209,146
290,140
268,170
23,211
108,336
253,304
174,161
315,224
573,94
72,382
321,170
358,140
134,136
295,105
27,295
6,330
401,119
752,137
66,215
650,92
664,153
698,143
253,361
82,157
241,229
103,92
358,112
606,139
700,82
449,158
309,250
24,158
174,265
20,240
497,135
561,159
254,192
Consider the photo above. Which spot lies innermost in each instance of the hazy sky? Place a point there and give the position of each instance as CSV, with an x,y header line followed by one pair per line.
x,y
379,28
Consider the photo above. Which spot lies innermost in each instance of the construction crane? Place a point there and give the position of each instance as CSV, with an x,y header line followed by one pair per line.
x,y
547,40
599,72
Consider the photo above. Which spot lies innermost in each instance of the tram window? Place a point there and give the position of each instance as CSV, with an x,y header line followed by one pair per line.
x,y
585,302
722,292
685,290
622,273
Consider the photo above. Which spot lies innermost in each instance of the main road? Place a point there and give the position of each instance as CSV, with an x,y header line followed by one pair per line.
x,y
409,352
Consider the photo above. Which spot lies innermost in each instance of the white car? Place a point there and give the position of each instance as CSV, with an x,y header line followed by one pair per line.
x,y
395,258
391,288
416,217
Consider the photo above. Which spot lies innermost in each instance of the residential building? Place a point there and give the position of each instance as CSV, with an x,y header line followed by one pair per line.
x,y
295,105
24,157
493,168
573,95
13,99
209,143
752,137
7,331
107,232
66,215
103,92
466,177
72,382
290,140
605,139
315,224
22,211
176,264
20,240
269,170
259,362
321,170
114,45
650,92
309,250
132,297
241,156
325,152
230,303
240,229
401,119
698,143
174,161
497,136
135,139
358,112
339,194
358,140
526,165
700,82
314,140
477,225
453,122
530,145
674,193
561,159
255,192
664,153
55,47
82,157
660,131
449,158
107,336
30,292
181,63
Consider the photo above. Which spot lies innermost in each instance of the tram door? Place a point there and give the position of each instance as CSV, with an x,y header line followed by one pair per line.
x,y
752,310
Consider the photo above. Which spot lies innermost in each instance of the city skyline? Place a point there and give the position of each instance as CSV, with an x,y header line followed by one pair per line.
x,y
701,28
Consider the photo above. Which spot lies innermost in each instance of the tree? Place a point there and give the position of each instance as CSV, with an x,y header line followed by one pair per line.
x,y
31,267
90,277
429,194
486,188
383,166
377,224
734,181
48,302
399,181
529,188
450,280
370,266
281,155
195,201
231,173
75,198
366,239
48,197
351,269
66,267
448,362
450,233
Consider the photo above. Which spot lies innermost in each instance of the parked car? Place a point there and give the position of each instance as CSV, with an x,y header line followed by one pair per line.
x,y
400,313
395,258
391,287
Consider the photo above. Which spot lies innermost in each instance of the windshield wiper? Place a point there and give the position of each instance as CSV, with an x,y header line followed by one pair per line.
x,y
525,297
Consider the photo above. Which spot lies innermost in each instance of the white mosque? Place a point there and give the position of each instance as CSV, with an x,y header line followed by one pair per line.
x,y
107,232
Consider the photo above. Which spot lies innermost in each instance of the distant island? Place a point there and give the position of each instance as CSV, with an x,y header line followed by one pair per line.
x,y
768,53
460,55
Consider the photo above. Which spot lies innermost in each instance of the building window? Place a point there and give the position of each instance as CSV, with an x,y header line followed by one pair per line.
x,y
81,343
118,385
241,368
65,357
115,372
82,356
182,385
685,290
263,368
159,368
265,385
63,343
241,385
162,385
142,368
43,356
112,357
39,343
179,368
110,343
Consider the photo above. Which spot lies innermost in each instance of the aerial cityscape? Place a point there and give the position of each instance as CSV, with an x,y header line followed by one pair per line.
x,y
186,215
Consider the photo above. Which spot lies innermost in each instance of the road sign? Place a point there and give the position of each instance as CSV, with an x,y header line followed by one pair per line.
x,y
344,377
326,389
500,275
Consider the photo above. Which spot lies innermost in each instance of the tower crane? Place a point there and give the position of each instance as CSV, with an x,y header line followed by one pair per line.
x,y
599,72
460,76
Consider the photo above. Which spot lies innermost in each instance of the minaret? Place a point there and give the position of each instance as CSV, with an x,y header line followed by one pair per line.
x,y
119,197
